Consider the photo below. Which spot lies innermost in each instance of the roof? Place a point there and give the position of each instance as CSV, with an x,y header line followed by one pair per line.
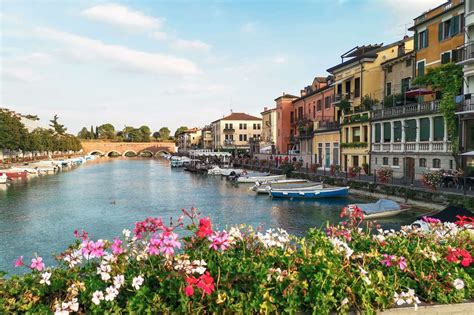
x,y
327,87
268,110
240,116
286,96
412,28
320,79
401,57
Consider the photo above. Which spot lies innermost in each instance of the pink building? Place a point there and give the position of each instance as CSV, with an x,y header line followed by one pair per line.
x,y
284,107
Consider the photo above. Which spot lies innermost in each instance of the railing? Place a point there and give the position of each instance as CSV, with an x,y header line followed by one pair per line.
x,y
432,106
344,96
465,53
327,125
229,130
468,105
425,146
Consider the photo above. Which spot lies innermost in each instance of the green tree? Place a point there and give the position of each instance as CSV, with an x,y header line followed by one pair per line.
x,y
156,135
107,131
135,135
91,133
58,128
145,133
179,130
165,133
12,131
448,79
84,134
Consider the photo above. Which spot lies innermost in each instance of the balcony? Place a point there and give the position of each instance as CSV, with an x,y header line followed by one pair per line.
x,y
326,125
467,106
419,147
406,110
356,118
465,54
229,130
337,98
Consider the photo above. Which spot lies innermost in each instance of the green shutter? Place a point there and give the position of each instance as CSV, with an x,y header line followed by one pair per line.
x,y
427,38
410,130
397,131
415,40
424,129
438,129
455,25
421,69
440,31
386,132
377,133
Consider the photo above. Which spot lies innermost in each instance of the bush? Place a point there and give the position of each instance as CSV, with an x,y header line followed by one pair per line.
x,y
385,175
366,167
433,179
239,270
334,170
287,167
354,171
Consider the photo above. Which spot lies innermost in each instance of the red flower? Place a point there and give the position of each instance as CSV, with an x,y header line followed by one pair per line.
x,y
459,256
206,283
189,290
463,220
205,228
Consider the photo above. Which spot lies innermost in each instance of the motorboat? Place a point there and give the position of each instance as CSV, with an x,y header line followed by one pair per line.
x,y
312,193
383,208
216,170
3,178
14,174
265,186
179,161
253,178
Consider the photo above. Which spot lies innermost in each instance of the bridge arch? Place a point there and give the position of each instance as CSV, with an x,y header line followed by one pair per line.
x,y
146,153
129,151
160,152
113,152
95,152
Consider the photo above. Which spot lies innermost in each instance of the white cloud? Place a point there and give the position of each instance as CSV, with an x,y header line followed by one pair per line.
x,y
36,58
249,28
21,74
158,35
23,68
279,60
122,16
117,56
194,45
194,89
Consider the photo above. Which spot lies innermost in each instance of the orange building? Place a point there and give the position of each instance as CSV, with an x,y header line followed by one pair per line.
x,y
285,133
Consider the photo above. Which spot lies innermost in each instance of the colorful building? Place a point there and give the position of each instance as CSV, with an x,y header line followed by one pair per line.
x,y
358,89
189,139
206,138
285,139
234,132
269,130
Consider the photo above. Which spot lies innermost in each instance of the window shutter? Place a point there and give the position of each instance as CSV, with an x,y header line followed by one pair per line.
x,y
415,39
424,129
427,37
455,25
440,31
397,131
438,128
410,131
377,133
386,132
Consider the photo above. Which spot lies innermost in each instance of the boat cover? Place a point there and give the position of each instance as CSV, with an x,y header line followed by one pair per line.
x,y
382,205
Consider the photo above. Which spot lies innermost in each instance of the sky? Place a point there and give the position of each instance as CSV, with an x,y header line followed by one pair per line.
x,y
174,63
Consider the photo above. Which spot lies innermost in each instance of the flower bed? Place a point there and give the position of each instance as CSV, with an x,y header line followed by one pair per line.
x,y
433,179
240,270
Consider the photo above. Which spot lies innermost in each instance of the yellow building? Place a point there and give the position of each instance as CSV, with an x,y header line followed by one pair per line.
x,y
359,81
189,139
269,129
235,131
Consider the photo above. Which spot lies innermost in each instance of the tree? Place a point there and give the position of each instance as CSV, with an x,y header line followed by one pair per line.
x,y
84,134
12,131
165,133
58,128
156,135
134,135
91,133
96,134
448,79
145,133
179,130
107,131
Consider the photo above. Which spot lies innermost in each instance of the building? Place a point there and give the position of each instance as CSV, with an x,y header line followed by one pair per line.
x,y
269,130
234,132
189,139
358,89
314,104
466,115
285,139
205,142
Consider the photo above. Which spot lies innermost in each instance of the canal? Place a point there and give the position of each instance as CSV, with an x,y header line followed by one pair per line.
x,y
104,197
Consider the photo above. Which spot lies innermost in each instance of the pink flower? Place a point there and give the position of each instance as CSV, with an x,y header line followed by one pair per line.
x,y
116,247
205,228
89,248
431,220
164,243
219,240
37,263
19,262
387,261
189,290
402,263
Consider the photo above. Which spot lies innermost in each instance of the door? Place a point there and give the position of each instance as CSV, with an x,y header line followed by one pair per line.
x,y
410,169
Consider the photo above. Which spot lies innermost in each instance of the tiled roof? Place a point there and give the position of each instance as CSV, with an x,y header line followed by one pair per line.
x,y
240,116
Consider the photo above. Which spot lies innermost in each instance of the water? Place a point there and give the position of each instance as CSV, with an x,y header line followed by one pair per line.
x,y
40,215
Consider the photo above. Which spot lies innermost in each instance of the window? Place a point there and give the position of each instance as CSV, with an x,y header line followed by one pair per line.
x,y
422,162
254,126
240,137
421,68
438,134
424,129
335,153
318,106
397,131
347,135
339,89
227,137
292,118
436,163
445,57
226,126
422,39
357,87
376,161
389,69
231,126
410,130
396,161
348,88
387,132
241,126
451,164
327,102
245,126
385,161
389,89
356,134
366,134
449,28
259,126
408,63
245,137
405,84
377,133
300,113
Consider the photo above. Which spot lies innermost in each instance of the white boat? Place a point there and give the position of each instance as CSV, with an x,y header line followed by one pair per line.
x,y
224,171
287,184
317,193
29,170
252,178
179,161
3,178
383,208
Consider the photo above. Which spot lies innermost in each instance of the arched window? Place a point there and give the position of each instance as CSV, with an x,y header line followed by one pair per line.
x,y
436,163
422,162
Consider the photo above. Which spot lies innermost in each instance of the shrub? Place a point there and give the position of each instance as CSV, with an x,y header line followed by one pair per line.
x,y
314,168
366,166
344,267
385,175
334,170
354,171
433,179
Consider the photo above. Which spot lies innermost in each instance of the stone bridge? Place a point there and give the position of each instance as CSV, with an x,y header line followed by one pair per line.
x,y
121,148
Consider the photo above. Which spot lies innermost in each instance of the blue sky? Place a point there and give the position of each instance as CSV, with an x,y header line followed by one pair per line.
x,y
172,63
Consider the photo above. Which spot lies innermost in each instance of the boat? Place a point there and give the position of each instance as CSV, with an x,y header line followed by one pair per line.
x,y
253,178
216,170
14,174
383,208
3,178
265,186
179,161
314,193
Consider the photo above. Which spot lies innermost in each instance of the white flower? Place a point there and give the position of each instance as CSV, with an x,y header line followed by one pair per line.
x,y
119,281
345,301
74,305
408,297
105,276
73,258
397,299
112,293
458,284
137,282
61,312
97,296
45,278
234,235
198,266
126,233
341,246
274,238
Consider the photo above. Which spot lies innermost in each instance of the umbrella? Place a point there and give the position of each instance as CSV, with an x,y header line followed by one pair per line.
x,y
418,92
470,153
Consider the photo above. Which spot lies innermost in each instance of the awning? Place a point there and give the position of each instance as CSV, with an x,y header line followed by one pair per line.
x,y
418,92
266,149
470,153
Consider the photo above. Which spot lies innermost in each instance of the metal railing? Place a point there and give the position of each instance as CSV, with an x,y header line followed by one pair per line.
x,y
465,53
326,125
425,107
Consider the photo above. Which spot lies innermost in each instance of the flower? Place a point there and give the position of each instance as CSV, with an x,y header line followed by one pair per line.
x,y
219,240
97,296
74,258
402,263
126,233
119,281
234,235
456,255
112,293
164,243
272,238
92,249
387,261
458,284
205,228
45,278
206,283
408,297
137,282
19,262
189,290
431,220
37,263
341,246
116,247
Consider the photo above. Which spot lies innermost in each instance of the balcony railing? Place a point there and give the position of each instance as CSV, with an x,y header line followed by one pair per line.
x,y
465,54
229,130
326,125
426,107
344,96
421,146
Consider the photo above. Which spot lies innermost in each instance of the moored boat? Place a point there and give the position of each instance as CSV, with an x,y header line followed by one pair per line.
x,y
15,174
265,186
252,178
3,178
315,193
383,208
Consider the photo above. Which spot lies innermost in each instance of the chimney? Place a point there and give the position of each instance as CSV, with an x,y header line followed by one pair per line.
x,y
265,109
284,93
303,93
